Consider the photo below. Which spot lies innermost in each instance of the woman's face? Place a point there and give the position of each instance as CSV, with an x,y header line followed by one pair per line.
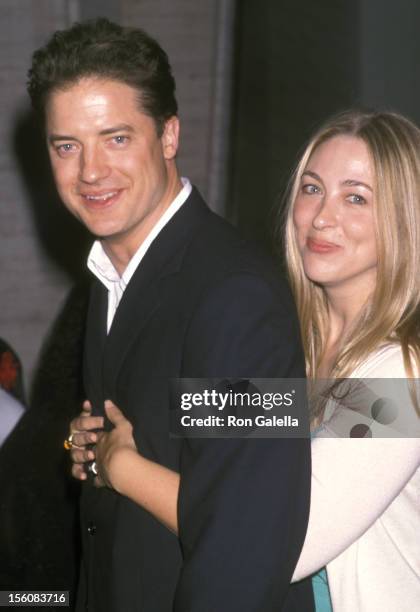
x,y
333,216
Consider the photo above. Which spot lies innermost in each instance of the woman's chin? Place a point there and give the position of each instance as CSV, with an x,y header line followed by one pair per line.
x,y
320,275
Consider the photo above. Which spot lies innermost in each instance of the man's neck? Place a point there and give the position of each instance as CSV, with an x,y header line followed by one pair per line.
x,y
121,248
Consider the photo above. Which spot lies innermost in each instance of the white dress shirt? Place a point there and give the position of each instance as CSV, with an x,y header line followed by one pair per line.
x,y
102,267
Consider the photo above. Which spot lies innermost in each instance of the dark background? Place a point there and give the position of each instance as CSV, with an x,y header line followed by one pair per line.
x,y
298,62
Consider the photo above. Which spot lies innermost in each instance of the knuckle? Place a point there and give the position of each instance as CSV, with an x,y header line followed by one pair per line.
x,y
78,457
79,440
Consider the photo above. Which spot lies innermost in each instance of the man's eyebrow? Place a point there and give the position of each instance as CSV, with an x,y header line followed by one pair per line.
x,y
122,127
55,137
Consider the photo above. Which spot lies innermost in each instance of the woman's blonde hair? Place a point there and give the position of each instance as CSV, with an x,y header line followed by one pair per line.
x,y
392,314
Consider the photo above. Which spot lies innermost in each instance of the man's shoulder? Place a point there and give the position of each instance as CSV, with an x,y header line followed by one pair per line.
x,y
217,244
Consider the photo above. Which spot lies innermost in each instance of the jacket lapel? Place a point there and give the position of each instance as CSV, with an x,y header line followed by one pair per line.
x,y
94,345
143,293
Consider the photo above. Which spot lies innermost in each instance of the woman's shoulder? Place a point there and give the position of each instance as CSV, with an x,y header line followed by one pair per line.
x,y
386,362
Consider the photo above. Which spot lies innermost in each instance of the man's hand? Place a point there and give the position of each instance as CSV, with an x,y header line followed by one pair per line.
x,y
109,446
83,435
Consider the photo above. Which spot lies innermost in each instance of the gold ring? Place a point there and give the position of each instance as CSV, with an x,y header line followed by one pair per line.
x,y
68,442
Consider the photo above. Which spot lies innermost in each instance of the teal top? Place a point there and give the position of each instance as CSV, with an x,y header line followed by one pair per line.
x,y
321,592
320,584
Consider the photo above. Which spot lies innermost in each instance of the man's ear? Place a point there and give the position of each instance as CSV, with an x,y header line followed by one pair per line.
x,y
170,138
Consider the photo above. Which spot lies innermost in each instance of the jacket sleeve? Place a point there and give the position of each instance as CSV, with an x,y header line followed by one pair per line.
x,y
243,503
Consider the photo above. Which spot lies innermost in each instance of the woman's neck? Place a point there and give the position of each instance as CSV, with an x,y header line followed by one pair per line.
x,y
344,308
345,303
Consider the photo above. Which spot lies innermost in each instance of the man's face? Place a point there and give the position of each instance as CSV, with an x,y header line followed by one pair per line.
x,y
112,170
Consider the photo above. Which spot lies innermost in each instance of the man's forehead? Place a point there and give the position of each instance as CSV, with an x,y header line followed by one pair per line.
x,y
94,100
95,90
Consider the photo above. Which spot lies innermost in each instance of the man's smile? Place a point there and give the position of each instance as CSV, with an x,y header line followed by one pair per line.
x,y
94,199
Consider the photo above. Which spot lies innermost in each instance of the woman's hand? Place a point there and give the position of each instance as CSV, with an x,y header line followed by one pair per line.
x,y
113,447
120,466
105,448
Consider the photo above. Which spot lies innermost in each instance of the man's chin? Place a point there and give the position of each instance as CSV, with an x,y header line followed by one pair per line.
x,y
104,236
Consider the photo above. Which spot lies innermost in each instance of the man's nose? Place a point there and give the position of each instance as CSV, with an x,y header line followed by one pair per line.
x,y
93,165
326,214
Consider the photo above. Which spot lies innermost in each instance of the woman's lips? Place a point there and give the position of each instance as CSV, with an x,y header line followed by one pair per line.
x,y
321,246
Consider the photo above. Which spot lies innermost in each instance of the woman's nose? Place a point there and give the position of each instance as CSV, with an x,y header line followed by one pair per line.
x,y
326,214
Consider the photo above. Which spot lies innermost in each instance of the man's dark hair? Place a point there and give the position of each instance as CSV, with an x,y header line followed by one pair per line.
x,y
106,50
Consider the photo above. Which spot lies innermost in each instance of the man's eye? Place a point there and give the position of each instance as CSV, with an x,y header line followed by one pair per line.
x,y
310,188
355,198
120,139
65,148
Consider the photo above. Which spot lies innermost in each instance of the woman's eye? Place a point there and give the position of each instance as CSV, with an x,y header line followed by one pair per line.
x,y
309,188
355,198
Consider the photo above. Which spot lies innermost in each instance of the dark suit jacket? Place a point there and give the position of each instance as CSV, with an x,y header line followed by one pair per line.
x,y
201,304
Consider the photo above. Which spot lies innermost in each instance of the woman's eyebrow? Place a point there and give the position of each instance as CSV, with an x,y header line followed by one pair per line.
x,y
354,183
313,175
